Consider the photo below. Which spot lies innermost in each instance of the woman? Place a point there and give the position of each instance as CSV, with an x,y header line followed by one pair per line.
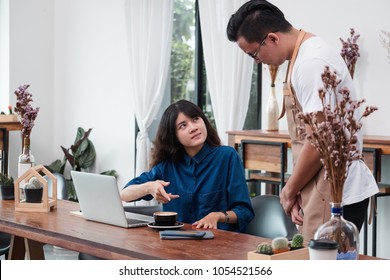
x,y
194,175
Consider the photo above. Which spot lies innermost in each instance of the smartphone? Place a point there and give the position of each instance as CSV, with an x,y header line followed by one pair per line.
x,y
181,234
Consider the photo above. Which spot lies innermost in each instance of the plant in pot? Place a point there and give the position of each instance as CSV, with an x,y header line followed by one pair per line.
x,y
33,191
81,156
7,187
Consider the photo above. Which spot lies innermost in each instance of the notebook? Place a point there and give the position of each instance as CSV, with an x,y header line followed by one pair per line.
x,y
100,201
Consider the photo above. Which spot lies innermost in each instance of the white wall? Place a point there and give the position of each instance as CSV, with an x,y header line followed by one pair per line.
x,y
31,61
92,81
4,55
73,54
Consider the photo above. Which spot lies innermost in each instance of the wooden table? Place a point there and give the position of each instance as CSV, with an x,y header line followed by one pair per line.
x,y
5,128
60,228
235,137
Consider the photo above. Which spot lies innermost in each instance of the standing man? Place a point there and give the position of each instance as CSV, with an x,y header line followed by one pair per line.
x,y
260,29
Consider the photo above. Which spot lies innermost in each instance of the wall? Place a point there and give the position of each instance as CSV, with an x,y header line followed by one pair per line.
x,y
4,55
92,82
31,61
73,54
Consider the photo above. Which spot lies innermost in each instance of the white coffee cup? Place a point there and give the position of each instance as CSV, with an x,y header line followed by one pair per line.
x,y
323,249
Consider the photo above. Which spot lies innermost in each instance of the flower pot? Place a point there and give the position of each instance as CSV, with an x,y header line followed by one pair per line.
x,y
7,192
33,195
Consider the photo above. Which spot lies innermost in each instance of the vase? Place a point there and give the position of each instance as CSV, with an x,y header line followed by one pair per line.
x,y
344,232
272,111
26,159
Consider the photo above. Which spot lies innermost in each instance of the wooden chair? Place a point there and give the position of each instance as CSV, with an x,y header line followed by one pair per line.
x,y
372,157
266,162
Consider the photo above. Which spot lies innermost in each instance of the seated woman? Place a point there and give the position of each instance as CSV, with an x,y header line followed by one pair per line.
x,y
192,174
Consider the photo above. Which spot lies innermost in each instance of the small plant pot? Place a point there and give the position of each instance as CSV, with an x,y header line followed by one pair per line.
x,y
7,192
33,195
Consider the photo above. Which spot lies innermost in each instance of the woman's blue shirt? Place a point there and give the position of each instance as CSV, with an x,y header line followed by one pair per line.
x,y
211,181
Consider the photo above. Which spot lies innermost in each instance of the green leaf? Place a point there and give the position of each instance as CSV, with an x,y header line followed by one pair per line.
x,y
56,166
88,157
110,173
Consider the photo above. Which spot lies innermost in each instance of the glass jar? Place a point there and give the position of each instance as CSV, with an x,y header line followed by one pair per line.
x,y
344,232
26,159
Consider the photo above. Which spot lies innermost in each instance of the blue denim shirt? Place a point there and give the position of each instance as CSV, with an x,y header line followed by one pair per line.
x,y
211,181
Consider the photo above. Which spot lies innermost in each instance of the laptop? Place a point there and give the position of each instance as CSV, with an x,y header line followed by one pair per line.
x,y
100,201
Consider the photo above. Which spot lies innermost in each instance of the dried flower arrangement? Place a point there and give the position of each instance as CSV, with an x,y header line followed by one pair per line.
x,y
335,137
350,51
24,109
384,38
273,71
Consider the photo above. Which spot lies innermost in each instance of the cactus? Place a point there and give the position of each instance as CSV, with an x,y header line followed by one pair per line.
x,y
297,241
280,244
264,248
34,183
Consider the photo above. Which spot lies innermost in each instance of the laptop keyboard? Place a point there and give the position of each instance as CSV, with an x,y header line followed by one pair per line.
x,y
131,221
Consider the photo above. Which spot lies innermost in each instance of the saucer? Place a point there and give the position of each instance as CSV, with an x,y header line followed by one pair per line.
x,y
175,226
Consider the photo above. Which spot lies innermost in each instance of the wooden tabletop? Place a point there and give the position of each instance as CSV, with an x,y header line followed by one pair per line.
x,y
11,125
60,228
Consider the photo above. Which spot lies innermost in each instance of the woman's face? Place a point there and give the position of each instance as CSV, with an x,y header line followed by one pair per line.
x,y
191,132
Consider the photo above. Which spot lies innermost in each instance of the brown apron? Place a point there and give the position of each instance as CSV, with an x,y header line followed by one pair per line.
x,y
316,195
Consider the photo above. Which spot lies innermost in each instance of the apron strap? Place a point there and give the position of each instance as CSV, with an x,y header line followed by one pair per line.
x,y
287,82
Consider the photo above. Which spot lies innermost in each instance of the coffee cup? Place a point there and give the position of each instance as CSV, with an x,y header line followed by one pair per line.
x,y
323,249
164,218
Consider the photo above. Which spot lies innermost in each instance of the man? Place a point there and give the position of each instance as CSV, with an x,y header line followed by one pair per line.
x,y
261,30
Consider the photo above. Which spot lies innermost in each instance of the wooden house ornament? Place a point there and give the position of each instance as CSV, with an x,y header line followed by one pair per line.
x,y
47,202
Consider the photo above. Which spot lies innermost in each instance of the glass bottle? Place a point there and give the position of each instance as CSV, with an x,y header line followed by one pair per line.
x,y
272,111
26,159
344,232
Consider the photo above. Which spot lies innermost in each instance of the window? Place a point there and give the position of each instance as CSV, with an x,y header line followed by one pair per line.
x,y
188,75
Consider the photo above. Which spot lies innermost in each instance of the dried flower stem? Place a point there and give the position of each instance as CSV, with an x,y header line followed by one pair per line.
x,y
24,109
350,51
334,131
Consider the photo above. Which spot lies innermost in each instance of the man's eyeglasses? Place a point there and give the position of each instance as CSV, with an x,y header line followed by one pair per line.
x,y
254,55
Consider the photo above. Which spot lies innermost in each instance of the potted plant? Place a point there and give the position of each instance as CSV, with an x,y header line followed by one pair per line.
x,y
33,191
7,187
81,156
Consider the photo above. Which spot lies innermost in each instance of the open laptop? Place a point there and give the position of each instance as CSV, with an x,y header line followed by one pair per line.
x,y
100,201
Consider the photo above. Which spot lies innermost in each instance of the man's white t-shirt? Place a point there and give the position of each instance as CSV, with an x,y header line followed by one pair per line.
x,y
314,54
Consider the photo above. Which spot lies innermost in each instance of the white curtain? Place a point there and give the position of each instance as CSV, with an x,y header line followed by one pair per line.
x,y
229,69
149,36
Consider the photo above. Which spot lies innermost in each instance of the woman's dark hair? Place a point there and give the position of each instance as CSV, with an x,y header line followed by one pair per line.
x,y
166,144
254,20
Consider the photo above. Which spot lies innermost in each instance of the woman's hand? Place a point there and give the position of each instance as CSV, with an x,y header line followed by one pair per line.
x,y
157,190
210,221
